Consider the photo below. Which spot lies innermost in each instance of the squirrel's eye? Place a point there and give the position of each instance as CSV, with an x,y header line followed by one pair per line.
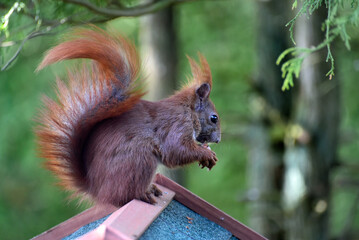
x,y
214,118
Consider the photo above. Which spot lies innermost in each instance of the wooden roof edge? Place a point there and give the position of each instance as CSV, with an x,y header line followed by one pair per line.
x,y
73,224
207,210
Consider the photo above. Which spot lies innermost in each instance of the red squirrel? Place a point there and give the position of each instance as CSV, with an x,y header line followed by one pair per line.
x,y
102,140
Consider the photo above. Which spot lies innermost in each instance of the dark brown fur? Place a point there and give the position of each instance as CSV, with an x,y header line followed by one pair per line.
x,y
102,140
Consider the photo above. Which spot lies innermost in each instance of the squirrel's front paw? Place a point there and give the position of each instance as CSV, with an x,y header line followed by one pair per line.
x,y
208,162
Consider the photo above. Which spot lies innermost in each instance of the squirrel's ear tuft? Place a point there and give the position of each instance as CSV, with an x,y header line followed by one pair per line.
x,y
201,73
206,76
203,91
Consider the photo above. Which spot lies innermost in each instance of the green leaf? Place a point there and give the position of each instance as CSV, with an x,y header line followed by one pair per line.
x,y
295,4
285,53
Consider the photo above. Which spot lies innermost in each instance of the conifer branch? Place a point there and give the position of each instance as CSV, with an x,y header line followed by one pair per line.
x,y
334,26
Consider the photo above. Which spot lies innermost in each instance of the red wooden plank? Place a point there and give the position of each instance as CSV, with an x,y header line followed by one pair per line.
x,y
104,233
73,224
207,210
138,216
97,234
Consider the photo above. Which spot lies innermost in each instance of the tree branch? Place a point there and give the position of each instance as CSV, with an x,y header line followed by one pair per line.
x,y
28,37
127,12
108,14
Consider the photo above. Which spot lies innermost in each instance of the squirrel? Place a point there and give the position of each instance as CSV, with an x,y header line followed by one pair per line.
x,y
102,140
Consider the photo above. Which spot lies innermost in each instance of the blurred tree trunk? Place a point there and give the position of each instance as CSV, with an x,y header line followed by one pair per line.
x,y
271,113
312,146
159,52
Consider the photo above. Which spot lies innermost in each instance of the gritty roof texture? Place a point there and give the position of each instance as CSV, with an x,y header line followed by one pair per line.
x,y
179,222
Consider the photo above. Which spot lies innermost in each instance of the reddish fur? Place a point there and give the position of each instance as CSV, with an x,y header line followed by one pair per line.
x,y
100,138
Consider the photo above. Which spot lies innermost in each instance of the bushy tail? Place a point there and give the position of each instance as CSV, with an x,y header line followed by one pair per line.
x,y
105,89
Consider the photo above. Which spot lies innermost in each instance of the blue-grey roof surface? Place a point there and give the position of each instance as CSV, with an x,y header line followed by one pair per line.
x,y
86,228
179,222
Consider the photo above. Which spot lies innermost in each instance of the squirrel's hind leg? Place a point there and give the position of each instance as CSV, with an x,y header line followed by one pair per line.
x,y
144,173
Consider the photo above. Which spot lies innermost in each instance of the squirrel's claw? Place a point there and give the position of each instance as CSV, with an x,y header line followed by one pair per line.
x,y
147,197
209,163
155,190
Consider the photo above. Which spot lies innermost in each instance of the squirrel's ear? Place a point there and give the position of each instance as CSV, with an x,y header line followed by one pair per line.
x,y
203,91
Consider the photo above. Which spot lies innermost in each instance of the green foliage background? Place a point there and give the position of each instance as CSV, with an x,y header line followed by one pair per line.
x,y
30,202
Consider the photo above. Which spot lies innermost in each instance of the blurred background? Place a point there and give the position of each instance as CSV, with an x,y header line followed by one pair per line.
x,y
288,160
